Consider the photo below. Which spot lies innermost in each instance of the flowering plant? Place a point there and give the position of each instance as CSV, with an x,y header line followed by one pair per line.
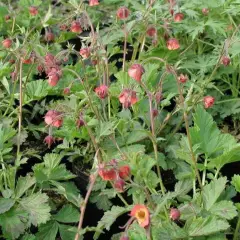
x,y
125,105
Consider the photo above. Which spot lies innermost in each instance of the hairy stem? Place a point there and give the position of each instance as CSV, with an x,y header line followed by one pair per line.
x,y
84,205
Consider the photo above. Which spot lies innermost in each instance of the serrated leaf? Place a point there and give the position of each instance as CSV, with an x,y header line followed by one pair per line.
x,y
110,217
12,223
206,226
230,156
36,90
67,214
236,182
37,207
6,204
48,231
66,232
69,191
224,209
207,136
212,191
52,160
169,231
23,184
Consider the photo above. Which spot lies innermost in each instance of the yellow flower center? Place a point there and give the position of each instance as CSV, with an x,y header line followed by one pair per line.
x,y
141,215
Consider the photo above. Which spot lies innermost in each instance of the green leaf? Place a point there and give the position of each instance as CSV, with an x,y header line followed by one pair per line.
x,y
212,191
23,184
236,182
206,226
207,136
37,207
66,232
230,156
102,201
169,231
48,231
36,90
69,191
68,214
6,204
52,160
12,223
28,237
110,217
224,209
105,129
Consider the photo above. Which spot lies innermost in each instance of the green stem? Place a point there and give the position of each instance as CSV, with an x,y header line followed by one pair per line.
x,y
20,109
236,233
122,199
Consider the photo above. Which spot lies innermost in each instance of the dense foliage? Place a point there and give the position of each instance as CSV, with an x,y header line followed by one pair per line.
x,y
132,106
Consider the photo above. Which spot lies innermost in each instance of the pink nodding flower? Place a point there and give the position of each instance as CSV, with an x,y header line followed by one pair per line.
x,y
225,60
53,118
102,91
141,213
49,36
136,71
76,27
182,78
107,174
119,185
178,17
208,101
124,172
85,52
53,77
151,31
93,3
128,98
49,140
173,44
33,11
123,13
174,214
7,43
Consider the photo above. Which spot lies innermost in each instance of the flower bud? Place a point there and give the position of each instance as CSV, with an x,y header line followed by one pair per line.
x,y
33,11
225,60
102,91
178,17
208,101
174,214
182,78
49,140
7,43
119,185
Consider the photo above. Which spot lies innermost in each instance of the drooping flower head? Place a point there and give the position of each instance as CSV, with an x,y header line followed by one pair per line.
x,y
141,214
178,17
174,214
124,172
205,11
225,60
76,27
123,13
136,71
33,10
119,185
85,52
208,101
7,43
173,44
107,174
102,91
53,118
182,78
54,76
151,31
93,3
49,140
128,98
